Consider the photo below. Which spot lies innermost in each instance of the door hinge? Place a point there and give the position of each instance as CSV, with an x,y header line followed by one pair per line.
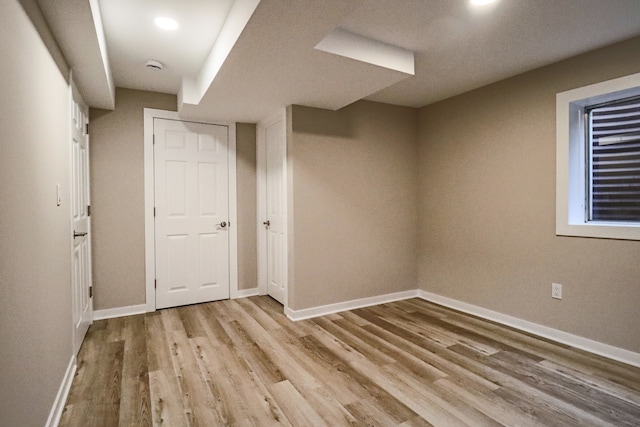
x,y
88,210
154,139
155,283
90,291
86,129
154,212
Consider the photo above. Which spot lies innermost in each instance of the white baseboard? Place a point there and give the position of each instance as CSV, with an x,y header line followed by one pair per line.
x,y
595,347
110,313
609,351
322,310
61,398
244,293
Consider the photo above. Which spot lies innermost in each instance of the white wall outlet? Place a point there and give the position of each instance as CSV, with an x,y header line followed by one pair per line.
x,y
556,290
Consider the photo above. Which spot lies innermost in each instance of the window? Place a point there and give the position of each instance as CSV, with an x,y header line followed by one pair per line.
x,y
598,160
614,161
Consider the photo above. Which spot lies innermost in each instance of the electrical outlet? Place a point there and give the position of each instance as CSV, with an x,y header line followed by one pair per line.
x,y
556,290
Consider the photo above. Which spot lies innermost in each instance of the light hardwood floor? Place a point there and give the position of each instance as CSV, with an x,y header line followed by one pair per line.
x,y
409,363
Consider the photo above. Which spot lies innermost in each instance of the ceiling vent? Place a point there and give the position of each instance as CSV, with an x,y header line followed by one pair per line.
x,y
152,64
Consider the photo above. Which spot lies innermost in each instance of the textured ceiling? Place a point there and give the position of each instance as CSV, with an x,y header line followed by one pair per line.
x,y
273,63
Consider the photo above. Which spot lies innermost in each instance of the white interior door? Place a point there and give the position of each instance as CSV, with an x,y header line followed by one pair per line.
x,y
276,209
81,248
191,212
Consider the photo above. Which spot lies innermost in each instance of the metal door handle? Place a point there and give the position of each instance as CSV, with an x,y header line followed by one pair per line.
x,y
76,234
223,224
267,223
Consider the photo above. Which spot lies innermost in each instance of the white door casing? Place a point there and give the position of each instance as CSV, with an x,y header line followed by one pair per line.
x,y
182,261
191,194
272,155
82,301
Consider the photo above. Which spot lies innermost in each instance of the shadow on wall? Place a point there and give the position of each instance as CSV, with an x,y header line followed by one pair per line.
x,y
317,121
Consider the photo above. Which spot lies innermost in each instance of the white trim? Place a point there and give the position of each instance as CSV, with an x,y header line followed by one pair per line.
x,y
72,89
244,293
110,313
233,213
261,203
571,194
289,178
591,346
323,310
149,229
63,392
595,347
288,213
149,232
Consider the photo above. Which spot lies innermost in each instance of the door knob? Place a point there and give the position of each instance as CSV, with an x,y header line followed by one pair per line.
x,y
267,223
223,224
76,234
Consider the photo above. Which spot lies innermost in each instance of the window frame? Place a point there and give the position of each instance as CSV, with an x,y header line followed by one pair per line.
x,y
571,159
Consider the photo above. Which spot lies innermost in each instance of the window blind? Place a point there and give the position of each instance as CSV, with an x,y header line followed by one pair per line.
x,y
614,182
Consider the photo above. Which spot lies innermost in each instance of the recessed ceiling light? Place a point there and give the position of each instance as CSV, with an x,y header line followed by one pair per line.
x,y
166,23
481,2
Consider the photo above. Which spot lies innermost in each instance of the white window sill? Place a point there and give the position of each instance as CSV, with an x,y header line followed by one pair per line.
x,y
600,230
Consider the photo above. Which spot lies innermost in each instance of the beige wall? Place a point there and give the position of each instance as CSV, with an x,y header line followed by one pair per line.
x,y
354,182
247,211
117,198
35,236
34,13
487,207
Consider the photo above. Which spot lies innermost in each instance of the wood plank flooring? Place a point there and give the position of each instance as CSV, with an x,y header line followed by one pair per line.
x,y
408,363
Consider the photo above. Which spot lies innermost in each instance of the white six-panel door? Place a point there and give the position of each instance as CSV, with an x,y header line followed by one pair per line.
x,y
276,208
191,212
81,247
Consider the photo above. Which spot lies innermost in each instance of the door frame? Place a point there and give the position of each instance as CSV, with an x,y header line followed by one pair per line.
x,y
149,187
261,184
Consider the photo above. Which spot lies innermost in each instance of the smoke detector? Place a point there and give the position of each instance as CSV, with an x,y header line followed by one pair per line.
x,y
152,64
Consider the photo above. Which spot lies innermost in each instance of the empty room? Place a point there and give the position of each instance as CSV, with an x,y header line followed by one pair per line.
x,y
320,212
